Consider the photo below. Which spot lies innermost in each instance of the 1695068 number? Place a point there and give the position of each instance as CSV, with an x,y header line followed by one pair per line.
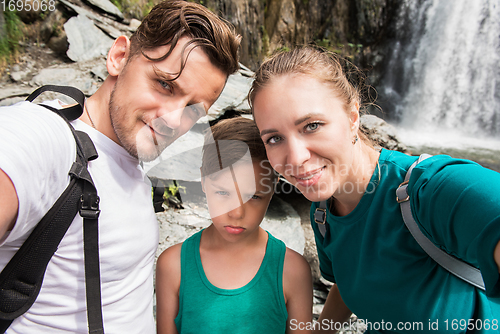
x,y
28,5
472,324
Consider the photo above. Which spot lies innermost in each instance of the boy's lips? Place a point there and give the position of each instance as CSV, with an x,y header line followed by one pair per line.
x,y
234,229
309,178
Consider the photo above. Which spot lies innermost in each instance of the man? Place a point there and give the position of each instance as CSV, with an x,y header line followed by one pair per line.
x,y
160,83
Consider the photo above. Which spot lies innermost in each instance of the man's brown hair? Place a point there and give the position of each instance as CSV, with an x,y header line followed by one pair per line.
x,y
170,20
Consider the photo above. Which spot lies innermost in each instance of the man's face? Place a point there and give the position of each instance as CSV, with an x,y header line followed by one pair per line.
x,y
148,112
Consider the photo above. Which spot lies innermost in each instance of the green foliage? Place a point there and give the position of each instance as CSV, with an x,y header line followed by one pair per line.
x,y
349,50
173,189
9,45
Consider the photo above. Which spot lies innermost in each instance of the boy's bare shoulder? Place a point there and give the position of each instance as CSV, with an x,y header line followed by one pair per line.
x,y
295,264
170,258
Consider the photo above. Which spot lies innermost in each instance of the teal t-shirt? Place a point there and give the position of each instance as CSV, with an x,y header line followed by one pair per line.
x,y
257,307
384,276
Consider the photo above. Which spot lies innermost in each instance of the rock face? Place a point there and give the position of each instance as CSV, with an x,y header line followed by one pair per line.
x,y
269,25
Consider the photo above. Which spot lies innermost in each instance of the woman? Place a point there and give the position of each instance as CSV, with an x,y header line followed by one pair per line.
x,y
307,112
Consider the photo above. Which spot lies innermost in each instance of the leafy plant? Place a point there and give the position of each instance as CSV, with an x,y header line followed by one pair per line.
x,y
9,43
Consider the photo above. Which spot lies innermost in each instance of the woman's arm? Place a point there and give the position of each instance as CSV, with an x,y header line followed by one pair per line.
x,y
297,286
168,281
334,311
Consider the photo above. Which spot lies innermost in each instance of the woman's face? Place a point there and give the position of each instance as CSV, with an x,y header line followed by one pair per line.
x,y
308,135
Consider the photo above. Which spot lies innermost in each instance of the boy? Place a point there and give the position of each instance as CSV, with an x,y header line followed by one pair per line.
x,y
233,277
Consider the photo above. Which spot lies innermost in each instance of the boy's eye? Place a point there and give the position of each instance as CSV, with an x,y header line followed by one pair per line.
x,y
196,111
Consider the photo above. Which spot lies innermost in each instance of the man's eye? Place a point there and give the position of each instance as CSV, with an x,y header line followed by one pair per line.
x,y
222,193
165,84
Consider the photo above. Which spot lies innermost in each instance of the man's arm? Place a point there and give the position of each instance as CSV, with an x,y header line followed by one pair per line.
x,y
9,204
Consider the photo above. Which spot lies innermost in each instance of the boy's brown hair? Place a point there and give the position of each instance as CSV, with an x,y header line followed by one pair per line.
x,y
170,20
230,141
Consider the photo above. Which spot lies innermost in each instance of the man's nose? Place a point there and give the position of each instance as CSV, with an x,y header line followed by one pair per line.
x,y
171,117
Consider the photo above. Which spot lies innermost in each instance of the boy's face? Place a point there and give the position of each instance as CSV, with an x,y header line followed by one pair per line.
x,y
238,197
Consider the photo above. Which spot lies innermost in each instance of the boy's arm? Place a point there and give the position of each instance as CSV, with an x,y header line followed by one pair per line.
x,y
168,280
9,204
334,311
297,286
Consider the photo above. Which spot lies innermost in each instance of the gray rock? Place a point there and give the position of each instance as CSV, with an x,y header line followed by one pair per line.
x,y
180,161
59,43
108,7
382,133
233,96
86,41
55,76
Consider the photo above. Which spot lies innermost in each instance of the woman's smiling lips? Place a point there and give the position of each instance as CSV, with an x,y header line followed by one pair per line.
x,y
309,178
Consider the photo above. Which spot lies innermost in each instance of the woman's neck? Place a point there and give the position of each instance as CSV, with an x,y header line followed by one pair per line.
x,y
365,161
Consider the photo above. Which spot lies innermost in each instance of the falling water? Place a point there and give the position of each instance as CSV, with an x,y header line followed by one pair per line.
x,y
443,74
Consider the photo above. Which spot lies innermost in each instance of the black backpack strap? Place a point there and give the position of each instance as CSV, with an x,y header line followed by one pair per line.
x,y
21,279
457,267
71,113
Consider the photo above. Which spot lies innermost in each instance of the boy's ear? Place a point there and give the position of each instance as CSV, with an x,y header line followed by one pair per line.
x,y
203,183
118,55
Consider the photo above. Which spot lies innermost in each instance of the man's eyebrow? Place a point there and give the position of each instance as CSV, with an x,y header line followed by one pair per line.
x,y
166,77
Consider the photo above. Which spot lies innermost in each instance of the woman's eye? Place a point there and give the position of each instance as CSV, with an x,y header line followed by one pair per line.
x,y
312,126
273,140
255,197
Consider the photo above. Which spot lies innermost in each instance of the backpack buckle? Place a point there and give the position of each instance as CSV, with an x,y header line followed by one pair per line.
x,y
89,206
320,216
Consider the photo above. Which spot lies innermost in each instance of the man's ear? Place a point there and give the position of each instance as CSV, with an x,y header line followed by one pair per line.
x,y
118,55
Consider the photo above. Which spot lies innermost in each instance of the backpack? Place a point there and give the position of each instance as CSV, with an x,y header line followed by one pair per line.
x,y
22,277
455,266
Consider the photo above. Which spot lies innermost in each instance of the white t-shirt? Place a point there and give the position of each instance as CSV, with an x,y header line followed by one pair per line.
x,y
37,150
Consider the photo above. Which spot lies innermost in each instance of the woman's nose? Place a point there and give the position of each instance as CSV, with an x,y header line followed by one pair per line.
x,y
298,152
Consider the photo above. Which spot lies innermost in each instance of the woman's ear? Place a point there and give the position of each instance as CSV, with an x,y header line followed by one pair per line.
x,y
354,117
118,55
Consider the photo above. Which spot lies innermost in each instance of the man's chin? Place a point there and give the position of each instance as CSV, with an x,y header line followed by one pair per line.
x,y
151,152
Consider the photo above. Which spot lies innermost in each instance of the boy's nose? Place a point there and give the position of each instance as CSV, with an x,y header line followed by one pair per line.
x,y
237,213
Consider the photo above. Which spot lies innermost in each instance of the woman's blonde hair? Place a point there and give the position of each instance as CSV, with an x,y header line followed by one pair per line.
x,y
345,80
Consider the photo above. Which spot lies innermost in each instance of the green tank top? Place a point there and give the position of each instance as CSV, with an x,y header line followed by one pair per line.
x,y
258,307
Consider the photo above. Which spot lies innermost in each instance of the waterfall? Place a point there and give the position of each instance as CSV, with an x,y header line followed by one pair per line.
x,y
443,70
